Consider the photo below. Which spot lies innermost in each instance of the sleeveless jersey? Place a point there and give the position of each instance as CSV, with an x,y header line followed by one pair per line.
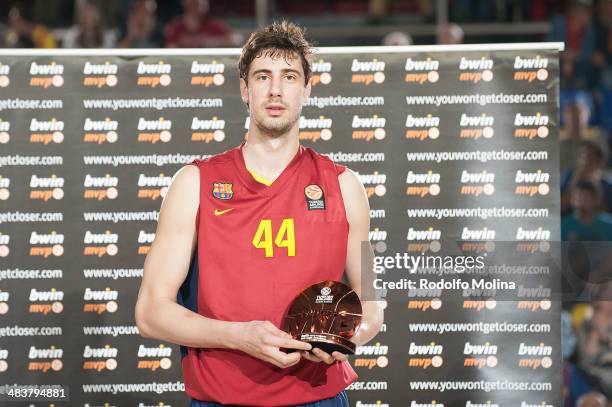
x,y
258,247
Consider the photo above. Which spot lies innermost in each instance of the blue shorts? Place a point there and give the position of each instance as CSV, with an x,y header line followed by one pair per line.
x,y
340,400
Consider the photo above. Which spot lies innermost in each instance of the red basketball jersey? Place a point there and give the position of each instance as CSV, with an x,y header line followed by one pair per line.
x,y
258,247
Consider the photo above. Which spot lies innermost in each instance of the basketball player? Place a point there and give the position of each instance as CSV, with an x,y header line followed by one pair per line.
x,y
266,219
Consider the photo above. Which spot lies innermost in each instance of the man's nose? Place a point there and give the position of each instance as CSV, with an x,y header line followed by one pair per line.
x,y
275,87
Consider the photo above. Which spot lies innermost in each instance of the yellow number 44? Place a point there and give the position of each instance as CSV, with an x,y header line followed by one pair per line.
x,y
285,237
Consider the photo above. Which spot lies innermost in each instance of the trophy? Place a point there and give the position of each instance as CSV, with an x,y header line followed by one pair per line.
x,y
326,315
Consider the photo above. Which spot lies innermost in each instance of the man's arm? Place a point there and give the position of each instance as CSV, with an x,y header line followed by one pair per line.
x,y
360,254
358,216
166,266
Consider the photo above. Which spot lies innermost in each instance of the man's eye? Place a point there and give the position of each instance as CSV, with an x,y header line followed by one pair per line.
x,y
291,77
262,77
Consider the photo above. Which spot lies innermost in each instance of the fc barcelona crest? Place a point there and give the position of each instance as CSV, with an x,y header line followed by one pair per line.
x,y
222,190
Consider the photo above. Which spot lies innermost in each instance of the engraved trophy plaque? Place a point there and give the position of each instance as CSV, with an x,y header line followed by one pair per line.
x,y
326,315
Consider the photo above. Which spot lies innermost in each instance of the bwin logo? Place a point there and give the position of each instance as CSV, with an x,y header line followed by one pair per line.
x,y
422,121
214,124
428,234
477,177
46,69
422,65
425,293
368,66
531,292
46,125
206,69
476,121
100,238
369,350
530,63
100,69
45,353
431,349
105,352
475,64
106,295
486,349
538,350
46,182
374,178
321,66
154,125
52,295
159,352
423,178
378,234
52,238
532,177
153,69
100,182
537,120
100,125
320,123
145,238
477,234
533,234
368,122
151,182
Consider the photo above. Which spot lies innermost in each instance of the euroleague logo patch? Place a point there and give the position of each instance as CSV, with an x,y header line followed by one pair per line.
x,y
222,190
314,197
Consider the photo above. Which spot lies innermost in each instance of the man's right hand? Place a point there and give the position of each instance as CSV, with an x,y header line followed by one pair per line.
x,y
263,340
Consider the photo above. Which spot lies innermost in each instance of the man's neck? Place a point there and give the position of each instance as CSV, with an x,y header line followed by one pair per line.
x,y
269,156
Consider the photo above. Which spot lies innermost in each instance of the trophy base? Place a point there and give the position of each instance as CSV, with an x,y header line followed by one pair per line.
x,y
328,342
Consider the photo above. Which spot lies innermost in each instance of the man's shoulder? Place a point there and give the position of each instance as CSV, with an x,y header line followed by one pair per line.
x,y
324,158
215,159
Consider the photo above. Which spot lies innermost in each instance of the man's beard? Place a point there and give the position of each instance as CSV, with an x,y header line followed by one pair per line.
x,y
275,126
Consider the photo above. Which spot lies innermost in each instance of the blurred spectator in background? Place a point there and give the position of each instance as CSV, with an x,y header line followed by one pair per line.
x,y
22,33
576,29
576,115
594,340
587,222
142,29
397,38
602,56
88,32
195,28
592,399
449,34
591,161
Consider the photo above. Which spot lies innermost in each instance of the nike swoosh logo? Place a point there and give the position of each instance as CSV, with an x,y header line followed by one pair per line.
x,y
218,212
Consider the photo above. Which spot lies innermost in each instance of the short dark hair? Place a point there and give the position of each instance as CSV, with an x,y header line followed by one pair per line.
x,y
599,148
284,39
590,187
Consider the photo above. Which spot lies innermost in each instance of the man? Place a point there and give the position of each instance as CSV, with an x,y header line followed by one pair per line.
x,y
273,217
196,28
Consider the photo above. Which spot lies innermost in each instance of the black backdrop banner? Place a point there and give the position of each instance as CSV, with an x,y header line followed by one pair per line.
x,y
457,148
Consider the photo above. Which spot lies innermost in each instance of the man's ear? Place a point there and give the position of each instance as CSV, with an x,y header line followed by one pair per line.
x,y
244,91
